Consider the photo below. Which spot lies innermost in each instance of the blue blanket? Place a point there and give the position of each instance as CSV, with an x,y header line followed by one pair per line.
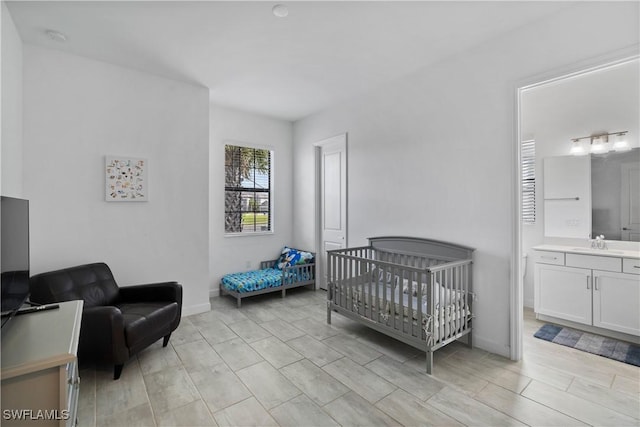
x,y
248,281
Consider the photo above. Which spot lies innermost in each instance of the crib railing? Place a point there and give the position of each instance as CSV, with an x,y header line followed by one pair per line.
x,y
369,283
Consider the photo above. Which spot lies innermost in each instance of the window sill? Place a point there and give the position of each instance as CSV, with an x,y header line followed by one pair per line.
x,y
256,233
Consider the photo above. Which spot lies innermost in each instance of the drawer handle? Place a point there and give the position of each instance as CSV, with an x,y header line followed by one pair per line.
x,y
588,279
636,266
552,257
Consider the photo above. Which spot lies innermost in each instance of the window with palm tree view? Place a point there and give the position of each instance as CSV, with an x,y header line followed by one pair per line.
x,y
247,198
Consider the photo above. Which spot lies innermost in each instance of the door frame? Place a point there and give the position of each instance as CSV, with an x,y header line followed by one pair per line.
x,y
516,312
317,147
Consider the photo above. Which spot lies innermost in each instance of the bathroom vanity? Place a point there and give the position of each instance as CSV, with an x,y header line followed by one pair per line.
x,y
592,289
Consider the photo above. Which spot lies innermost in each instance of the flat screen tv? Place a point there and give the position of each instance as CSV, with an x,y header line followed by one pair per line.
x,y
14,255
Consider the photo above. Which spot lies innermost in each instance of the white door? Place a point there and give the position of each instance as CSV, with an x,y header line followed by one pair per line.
x,y
332,200
630,200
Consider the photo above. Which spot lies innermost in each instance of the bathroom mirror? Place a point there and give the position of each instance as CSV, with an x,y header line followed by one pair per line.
x,y
604,100
615,195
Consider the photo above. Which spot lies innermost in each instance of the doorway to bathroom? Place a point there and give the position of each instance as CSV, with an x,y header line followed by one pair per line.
x,y
553,111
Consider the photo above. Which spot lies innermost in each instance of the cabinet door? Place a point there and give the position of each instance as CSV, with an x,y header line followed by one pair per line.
x,y
567,196
563,292
616,301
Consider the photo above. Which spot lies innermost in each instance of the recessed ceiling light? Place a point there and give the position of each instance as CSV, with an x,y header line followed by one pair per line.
x,y
56,36
280,10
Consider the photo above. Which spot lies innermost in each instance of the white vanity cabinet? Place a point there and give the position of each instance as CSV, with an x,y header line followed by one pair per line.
x,y
595,290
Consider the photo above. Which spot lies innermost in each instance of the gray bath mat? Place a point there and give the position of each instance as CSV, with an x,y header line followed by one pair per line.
x,y
591,343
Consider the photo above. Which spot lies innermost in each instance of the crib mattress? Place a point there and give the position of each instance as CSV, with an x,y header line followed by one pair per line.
x,y
452,314
248,281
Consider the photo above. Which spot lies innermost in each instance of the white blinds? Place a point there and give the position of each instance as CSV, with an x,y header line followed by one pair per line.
x,y
528,178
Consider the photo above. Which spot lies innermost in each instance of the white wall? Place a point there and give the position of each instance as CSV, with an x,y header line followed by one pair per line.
x,y
11,89
240,253
78,110
432,155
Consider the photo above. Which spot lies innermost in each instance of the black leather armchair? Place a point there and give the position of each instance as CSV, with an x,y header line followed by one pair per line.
x,y
117,322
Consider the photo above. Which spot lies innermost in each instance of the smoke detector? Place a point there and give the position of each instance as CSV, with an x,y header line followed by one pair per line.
x,y
56,36
280,10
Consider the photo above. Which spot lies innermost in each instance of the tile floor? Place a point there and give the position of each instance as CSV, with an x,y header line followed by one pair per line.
x,y
276,362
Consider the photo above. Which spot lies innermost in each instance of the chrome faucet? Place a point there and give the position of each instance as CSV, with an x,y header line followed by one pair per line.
x,y
599,242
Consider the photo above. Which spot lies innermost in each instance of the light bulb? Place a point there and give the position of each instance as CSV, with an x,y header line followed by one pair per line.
x,y
621,143
597,146
576,148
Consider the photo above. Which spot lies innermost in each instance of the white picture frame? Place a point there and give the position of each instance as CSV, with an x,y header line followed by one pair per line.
x,y
126,179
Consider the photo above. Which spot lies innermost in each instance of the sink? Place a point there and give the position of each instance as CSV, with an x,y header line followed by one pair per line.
x,y
598,251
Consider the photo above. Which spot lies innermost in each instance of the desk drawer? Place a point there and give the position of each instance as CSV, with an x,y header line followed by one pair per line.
x,y
631,265
548,257
594,262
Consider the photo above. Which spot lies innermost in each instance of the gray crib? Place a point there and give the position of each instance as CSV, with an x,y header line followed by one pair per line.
x,y
416,290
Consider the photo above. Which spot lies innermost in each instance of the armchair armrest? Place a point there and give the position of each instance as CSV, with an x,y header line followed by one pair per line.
x,y
165,291
102,334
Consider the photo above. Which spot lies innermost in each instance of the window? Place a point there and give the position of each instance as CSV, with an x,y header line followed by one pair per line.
x,y
247,189
528,170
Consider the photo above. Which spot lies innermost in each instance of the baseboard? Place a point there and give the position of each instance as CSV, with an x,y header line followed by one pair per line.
x,y
213,293
196,309
528,303
491,346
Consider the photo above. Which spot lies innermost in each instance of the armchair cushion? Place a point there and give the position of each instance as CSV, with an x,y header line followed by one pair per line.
x,y
93,283
166,291
147,319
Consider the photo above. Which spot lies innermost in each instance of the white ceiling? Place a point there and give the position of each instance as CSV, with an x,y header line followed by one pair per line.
x,y
322,53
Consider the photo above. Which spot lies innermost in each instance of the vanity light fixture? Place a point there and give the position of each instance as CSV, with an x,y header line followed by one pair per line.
x,y
599,143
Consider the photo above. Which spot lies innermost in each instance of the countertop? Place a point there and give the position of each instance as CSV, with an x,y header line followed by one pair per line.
x,y
614,252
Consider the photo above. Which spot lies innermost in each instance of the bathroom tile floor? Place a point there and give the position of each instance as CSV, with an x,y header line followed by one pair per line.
x,y
276,362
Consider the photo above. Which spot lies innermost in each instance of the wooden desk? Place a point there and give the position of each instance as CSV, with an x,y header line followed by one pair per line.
x,y
40,382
